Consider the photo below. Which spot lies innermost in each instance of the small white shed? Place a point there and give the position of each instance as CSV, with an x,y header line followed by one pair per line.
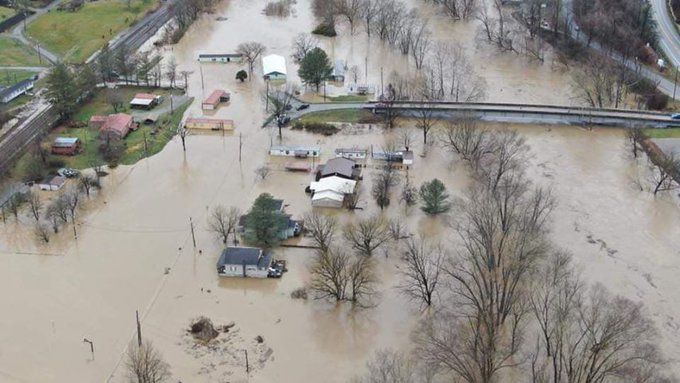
x,y
274,67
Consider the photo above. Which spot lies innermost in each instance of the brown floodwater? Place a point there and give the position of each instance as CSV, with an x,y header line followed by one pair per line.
x,y
134,249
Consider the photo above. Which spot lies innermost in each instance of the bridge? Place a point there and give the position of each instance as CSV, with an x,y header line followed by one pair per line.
x,y
510,113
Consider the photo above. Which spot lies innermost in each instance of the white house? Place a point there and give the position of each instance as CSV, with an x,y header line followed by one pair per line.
x,y
244,262
338,71
351,153
331,191
10,93
52,183
274,67
295,151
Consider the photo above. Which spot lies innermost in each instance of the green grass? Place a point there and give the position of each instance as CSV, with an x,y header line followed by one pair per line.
x,y
348,98
339,115
12,76
6,13
157,135
14,53
76,35
663,133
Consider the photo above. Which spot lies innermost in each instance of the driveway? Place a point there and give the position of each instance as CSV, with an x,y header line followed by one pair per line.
x,y
18,32
669,39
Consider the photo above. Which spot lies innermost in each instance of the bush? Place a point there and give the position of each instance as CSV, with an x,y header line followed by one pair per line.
x,y
316,128
112,152
325,30
299,293
31,168
56,163
657,101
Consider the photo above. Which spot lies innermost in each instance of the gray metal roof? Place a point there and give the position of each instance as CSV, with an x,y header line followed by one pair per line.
x,y
65,141
338,166
244,256
23,84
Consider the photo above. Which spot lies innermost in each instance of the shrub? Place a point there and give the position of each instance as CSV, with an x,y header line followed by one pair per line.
x,y
299,293
316,128
325,30
56,163
657,101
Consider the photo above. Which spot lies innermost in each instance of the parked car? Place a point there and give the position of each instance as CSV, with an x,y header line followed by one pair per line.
x,y
675,116
67,172
303,107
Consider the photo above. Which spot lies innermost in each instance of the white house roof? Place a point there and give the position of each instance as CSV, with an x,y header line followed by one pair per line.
x,y
273,64
328,194
335,184
141,101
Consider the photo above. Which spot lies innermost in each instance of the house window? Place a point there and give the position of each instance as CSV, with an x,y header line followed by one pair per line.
x,y
287,152
314,153
214,59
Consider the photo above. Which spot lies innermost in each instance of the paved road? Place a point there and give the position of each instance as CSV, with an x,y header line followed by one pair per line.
x,y
18,33
669,39
29,68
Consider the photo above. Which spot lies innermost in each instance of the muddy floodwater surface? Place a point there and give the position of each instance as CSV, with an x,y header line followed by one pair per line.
x,y
135,250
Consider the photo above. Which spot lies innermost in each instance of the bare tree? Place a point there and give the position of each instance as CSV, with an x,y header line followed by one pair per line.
x,y
635,137
223,221
145,364
354,73
57,212
279,101
665,172
352,199
599,83
328,273
350,10
383,183
35,204
367,235
409,193
508,155
262,172
87,182
251,51
115,99
42,231
183,132
302,44
362,279
171,71
185,75
466,138
422,270
389,366
71,199
322,229
425,117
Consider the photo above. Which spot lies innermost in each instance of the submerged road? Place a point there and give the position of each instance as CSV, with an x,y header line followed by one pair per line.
x,y
512,113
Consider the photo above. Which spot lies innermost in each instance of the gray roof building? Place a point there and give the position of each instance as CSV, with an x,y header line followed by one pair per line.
x,y
250,256
341,167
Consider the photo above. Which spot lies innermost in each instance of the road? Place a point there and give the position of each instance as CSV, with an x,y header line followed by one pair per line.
x,y
669,39
18,33
515,113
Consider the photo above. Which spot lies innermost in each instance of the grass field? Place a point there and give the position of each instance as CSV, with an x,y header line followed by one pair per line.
x,y
349,98
76,35
12,76
340,115
14,53
6,12
663,133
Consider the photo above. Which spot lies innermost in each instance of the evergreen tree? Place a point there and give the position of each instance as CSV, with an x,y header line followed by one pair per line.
x,y
435,199
264,222
315,67
62,90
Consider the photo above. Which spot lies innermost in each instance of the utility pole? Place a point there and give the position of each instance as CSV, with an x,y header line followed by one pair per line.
x,y
139,330
675,83
172,105
240,146
266,108
193,236
366,70
382,86
247,365
85,340
202,85
39,55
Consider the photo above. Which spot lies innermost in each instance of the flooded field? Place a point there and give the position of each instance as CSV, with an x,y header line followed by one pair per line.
x,y
135,251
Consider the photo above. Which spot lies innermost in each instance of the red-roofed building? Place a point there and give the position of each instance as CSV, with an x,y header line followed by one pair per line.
x,y
214,99
117,126
97,121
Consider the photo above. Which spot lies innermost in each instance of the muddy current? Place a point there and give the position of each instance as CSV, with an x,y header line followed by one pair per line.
x,y
135,250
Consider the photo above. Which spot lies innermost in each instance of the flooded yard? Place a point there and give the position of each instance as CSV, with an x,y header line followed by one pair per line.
x,y
135,250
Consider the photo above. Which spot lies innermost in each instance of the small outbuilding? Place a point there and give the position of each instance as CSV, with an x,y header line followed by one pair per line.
x,y
145,101
66,146
10,93
52,183
404,156
244,262
116,126
274,67
338,74
214,99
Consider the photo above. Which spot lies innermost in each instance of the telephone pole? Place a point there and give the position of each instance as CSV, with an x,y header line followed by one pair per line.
x,y
139,330
193,235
